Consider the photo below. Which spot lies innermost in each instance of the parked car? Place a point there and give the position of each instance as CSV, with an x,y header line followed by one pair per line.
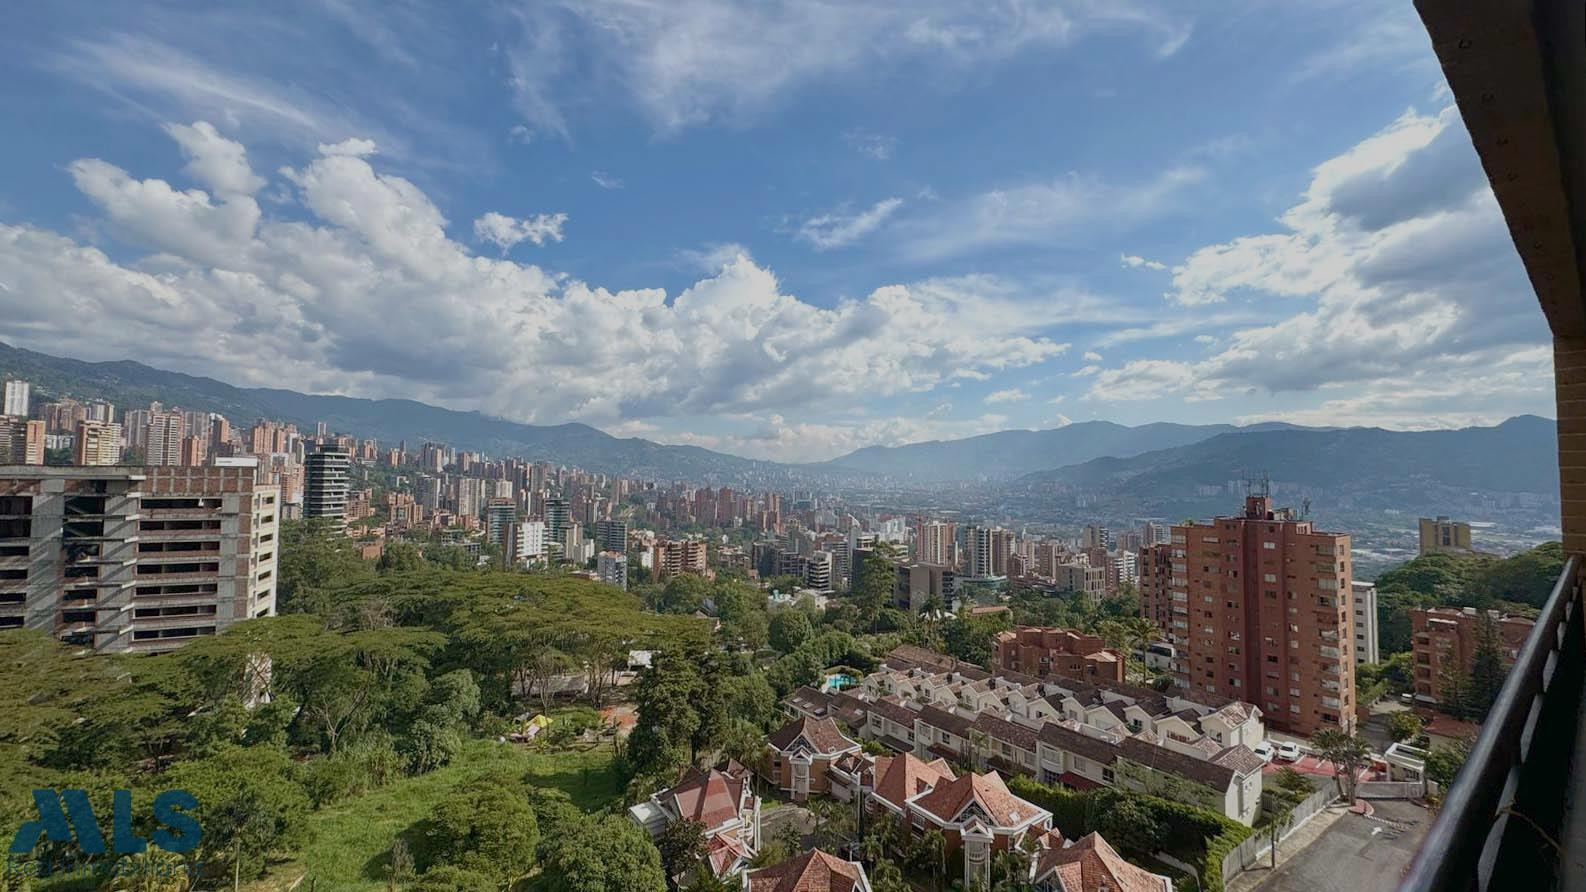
x,y
1265,751
1288,751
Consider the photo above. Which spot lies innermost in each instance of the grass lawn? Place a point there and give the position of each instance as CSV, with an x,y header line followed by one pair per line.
x,y
351,840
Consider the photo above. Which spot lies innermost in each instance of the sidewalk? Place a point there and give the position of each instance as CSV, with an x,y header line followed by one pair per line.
x,y
1314,828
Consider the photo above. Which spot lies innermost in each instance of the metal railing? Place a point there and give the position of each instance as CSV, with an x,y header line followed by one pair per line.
x,y
1503,814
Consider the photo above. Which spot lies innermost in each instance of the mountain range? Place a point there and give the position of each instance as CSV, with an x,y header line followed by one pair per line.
x,y
1145,463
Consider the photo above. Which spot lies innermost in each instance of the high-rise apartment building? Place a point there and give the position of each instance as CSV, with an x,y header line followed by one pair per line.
x,y
1001,550
918,583
612,568
15,398
977,552
526,541
325,484
135,559
1443,640
500,514
162,439
557,518
1155,564
1363,603
1266,601
1444,536
674,556
612,535
935,543
21,440
98,443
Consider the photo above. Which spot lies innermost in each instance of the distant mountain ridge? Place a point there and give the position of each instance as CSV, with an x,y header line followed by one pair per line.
x,y
1008,454
1507,473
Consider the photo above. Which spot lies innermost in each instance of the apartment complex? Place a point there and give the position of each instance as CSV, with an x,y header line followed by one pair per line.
x,y
1081,734
14,399
135,559
612,568
1261,610
97,443
325,483
673,556
1363,603
1041,652
1443,536
21,441
1155,566
1440,636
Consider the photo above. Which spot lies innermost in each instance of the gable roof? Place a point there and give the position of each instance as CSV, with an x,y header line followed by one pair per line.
x,y
813,871
710,797
901,778
950,798
820,736
1090,865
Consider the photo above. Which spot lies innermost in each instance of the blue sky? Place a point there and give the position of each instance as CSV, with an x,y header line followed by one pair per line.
x,y
784,230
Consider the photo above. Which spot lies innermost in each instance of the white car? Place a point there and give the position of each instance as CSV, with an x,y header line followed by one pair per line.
x,y
1265,751
1288,751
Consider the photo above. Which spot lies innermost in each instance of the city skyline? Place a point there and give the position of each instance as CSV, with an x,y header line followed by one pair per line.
x,y
925,222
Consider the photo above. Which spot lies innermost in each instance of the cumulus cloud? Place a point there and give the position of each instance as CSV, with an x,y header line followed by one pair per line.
x,y
1086,372
837,230
1398,261
362,290
1091,356
505,232
1135,261
1011,395
353,148
214,161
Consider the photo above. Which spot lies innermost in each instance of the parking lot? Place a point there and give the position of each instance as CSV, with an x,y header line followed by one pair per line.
x,y
1355,854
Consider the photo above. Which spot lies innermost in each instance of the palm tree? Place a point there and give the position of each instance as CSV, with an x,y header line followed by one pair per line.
x,y
933,849
1282,814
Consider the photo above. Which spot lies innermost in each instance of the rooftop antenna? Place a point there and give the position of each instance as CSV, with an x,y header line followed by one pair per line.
x,y
1305,508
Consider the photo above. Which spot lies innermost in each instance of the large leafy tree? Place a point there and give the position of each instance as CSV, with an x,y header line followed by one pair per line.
x,y
603,854
1347,752
250,806
487,827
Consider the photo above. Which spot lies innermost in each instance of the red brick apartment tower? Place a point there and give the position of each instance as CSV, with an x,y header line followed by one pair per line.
x,y
1268,615
1155,566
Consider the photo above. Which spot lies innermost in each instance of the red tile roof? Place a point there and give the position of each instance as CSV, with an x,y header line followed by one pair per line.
x,y
821,736
813,871
1091,865
900,778
948,800
711,798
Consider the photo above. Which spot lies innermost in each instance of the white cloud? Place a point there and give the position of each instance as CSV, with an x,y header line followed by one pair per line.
x,y
838,230
505,232
361,290
777,438
605,180
1135,261
687,62
1402,266
1091,356
214,161
1086,372
1061,420
1011,395
1057,400
1040,212
713,258
353,148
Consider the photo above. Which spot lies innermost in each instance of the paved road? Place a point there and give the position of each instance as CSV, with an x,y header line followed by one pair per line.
x,y
1355,854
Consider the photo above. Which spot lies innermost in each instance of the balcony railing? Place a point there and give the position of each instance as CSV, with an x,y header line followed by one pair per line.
x,y
1504,821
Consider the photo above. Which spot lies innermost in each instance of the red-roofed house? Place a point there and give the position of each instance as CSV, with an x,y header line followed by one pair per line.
x,y
897,779
799,754
813,871
1088,864
978,813
722,801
